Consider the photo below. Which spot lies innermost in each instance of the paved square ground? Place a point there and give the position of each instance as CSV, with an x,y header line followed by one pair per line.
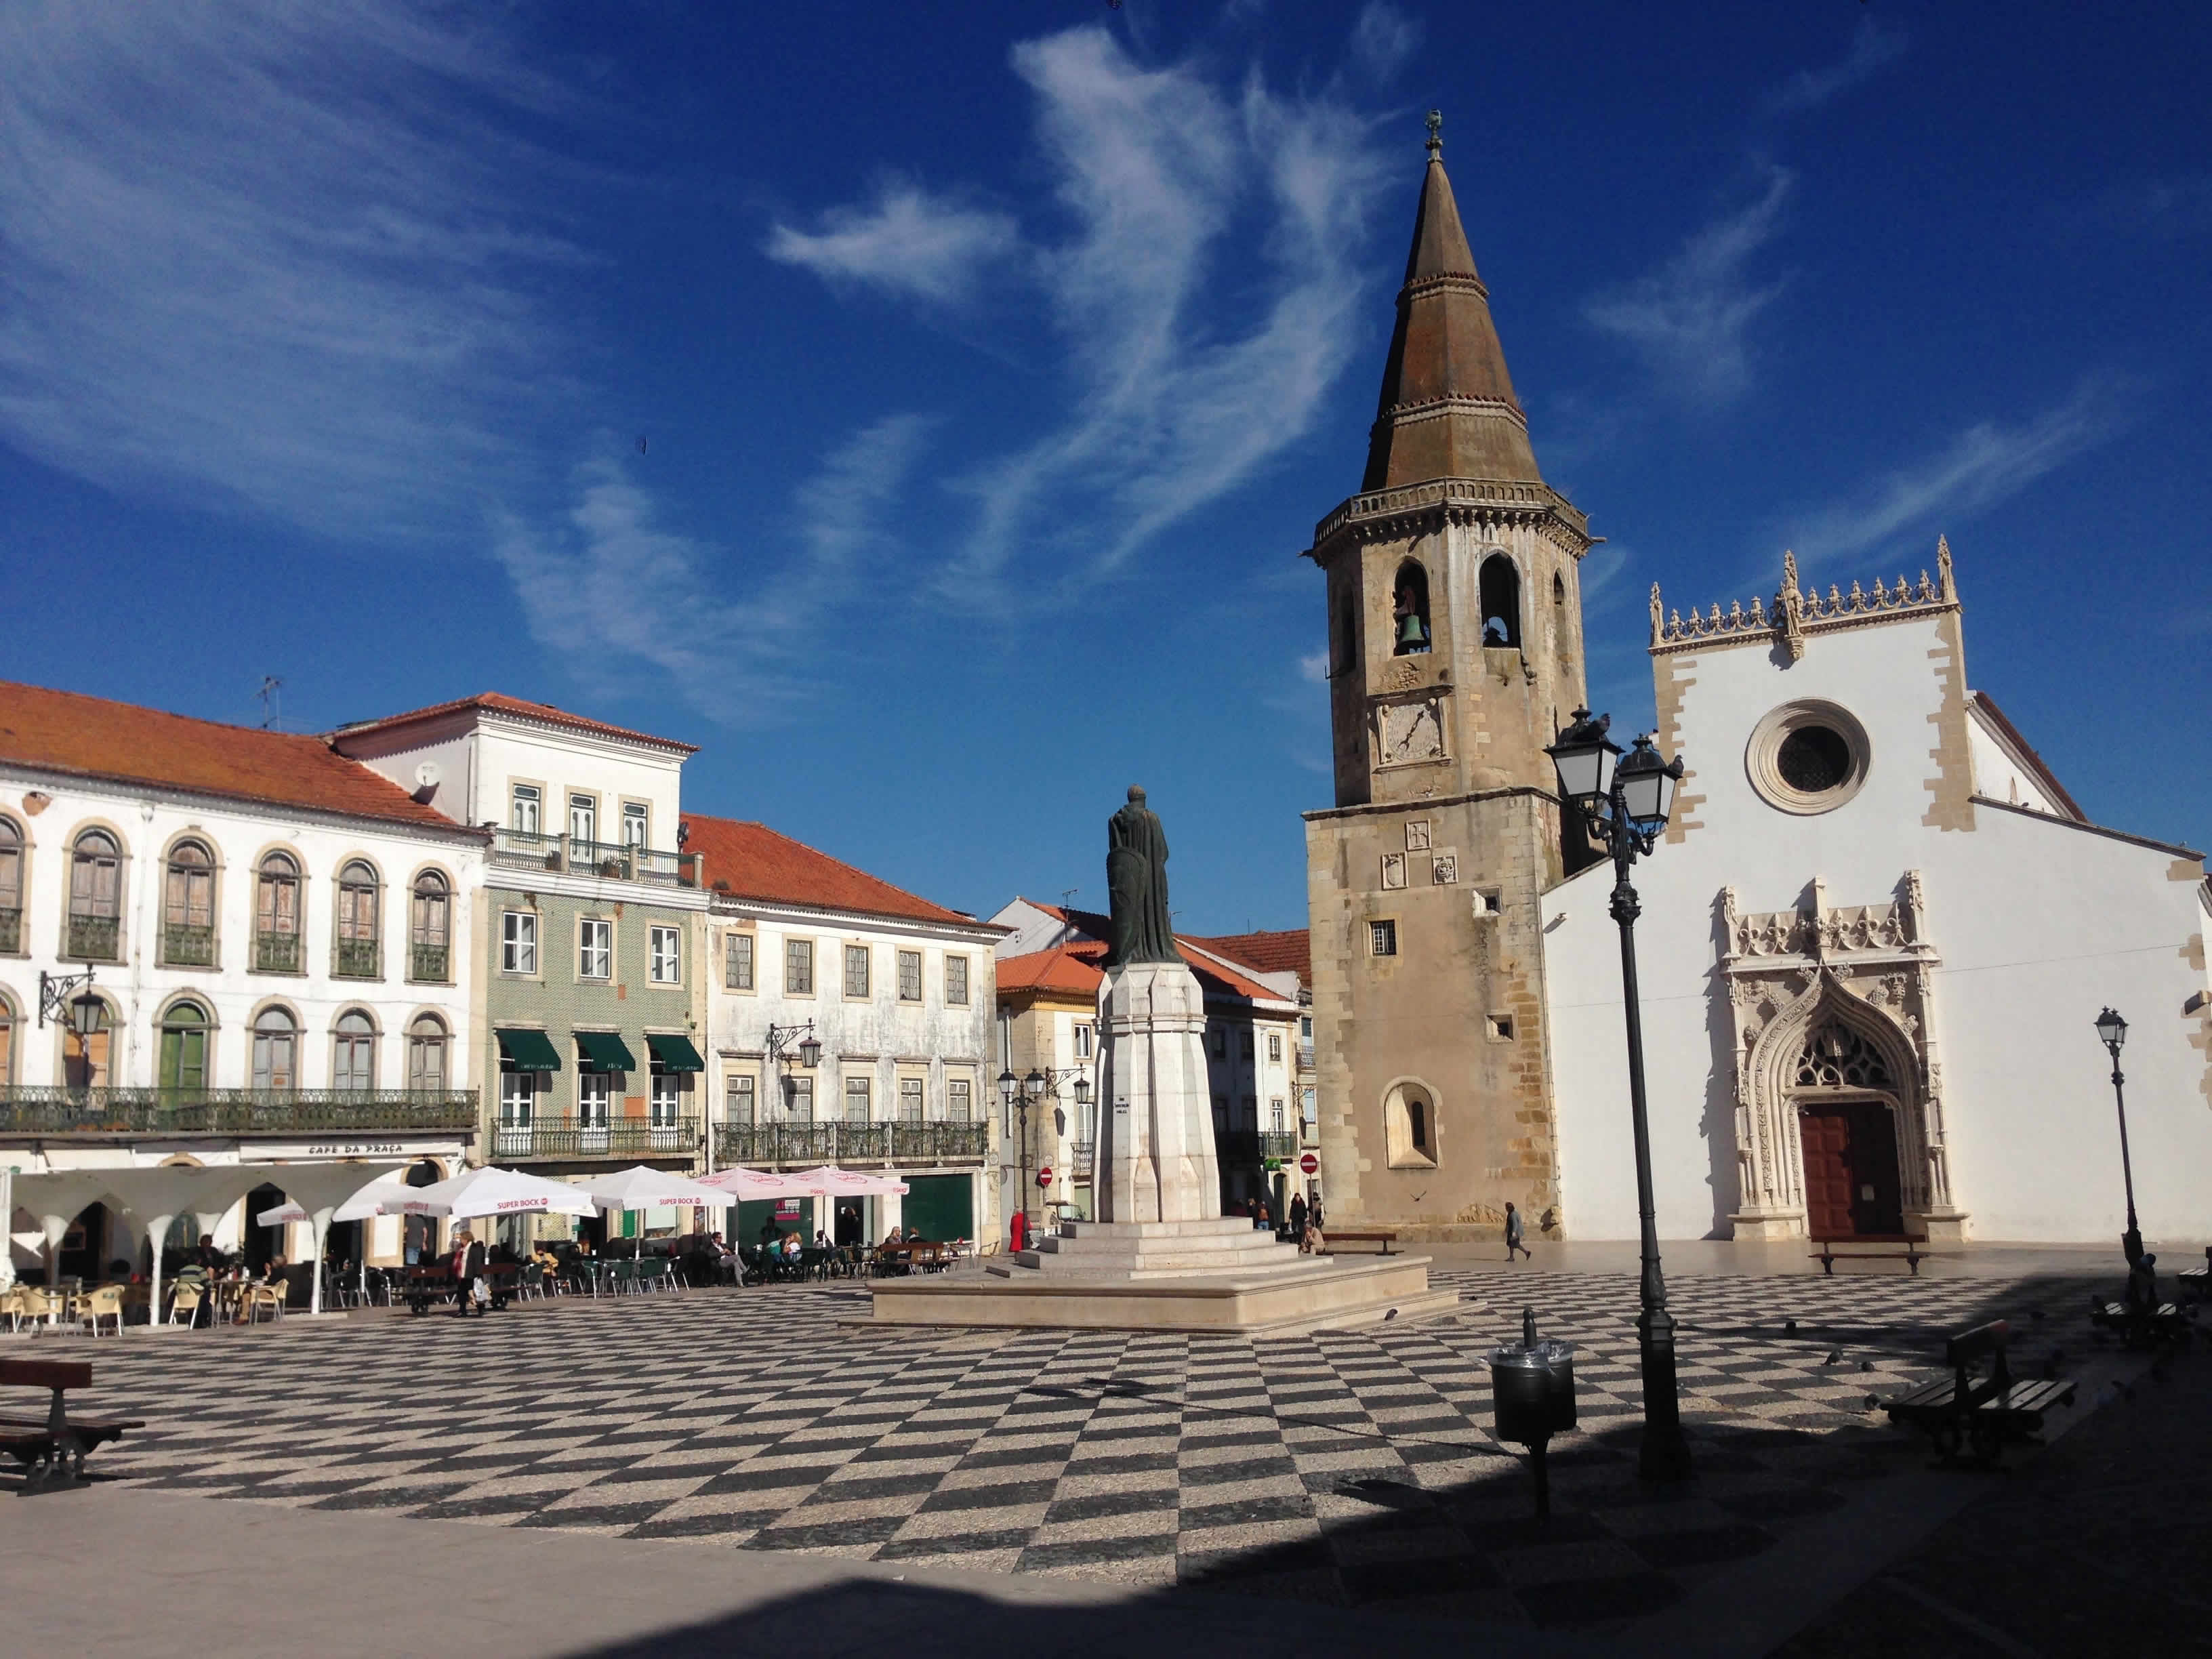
x,y
1353,1468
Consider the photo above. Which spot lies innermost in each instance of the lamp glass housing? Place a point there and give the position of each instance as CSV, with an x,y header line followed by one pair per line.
x,y
2111,1029
1083,1091
1646,785
1584,757
1009,1086
1033,1084
810,1053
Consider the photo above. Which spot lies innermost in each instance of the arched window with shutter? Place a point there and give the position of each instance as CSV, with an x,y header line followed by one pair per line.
x,y
188,906
95,912
184,1041
429,929
277,915
276,1050
357,953
353,1052
426,1048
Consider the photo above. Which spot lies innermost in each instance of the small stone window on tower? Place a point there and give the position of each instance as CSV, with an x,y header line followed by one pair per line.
x,y
1409,612
1500,589
1409,1125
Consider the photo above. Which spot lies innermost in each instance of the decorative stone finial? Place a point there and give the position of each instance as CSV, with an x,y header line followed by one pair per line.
x,y
1437,135
1658,617
1943,568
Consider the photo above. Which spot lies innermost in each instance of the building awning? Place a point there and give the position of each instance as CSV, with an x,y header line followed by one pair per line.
x,y
530,1051
675,1054
604,1051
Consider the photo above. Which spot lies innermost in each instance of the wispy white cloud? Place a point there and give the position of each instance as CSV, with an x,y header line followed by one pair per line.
x,y
1383,38
269,254
1313,667
908,240
1872,46
612,586
1987,463
1691,320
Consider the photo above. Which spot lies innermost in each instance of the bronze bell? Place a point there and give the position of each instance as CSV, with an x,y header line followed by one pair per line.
x,y
1412,631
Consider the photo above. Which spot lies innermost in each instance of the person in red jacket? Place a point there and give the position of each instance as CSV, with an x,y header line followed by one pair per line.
x,y
1020,1230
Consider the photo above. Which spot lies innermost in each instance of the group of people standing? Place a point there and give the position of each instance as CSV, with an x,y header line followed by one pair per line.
x,y
1301,1222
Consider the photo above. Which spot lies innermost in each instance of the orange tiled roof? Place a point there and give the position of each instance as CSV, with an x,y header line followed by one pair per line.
x,y
499,702
95,738
1078,965
750,860
1289,950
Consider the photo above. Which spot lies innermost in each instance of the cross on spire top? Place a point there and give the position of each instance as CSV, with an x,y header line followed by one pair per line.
x,y
1437,132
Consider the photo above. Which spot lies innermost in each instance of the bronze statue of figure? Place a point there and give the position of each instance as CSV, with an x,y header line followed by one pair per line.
x,y
1137,885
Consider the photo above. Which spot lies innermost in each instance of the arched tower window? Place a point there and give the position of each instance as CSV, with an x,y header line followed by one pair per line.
x,y
1558,592
1500,589
1409,610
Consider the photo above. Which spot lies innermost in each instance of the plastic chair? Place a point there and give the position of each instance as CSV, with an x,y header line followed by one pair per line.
x,y
271,1296
185,1304
105,1303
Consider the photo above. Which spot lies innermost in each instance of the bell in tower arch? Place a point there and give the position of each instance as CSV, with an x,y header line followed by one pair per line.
x,y
1410,614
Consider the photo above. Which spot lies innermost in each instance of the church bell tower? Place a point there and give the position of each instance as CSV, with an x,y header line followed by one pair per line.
x,y
1455,641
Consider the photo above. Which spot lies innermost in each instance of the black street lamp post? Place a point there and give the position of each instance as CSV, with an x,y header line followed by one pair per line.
x,y
2113,1031
1023,1092
1627,806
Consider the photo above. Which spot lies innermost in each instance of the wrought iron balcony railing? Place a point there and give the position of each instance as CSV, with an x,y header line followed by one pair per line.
x,y
1254,1146
609,859
358,958
555,1140
11,930
1305,1057
526,849
427,964
45,1109
94,939
184,945
276,953
806,1145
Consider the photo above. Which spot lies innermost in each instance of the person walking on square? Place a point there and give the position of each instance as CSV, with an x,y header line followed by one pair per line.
x,y
1019,1230
1513,1234
1298,1217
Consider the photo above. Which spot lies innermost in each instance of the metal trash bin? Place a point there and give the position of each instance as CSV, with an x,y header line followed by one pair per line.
x,y
1532,1389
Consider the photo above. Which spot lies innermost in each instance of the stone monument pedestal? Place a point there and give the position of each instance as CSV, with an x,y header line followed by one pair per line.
x,y
1162,1256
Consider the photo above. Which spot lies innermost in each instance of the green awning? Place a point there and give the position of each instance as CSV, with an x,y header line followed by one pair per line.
x,y
604,1051
529,1050
675,1054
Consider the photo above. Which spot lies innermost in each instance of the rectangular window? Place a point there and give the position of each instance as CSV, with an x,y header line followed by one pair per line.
x,y
1274,1045
518,942
856,970
739,1107
667,1099
1244,1044
1275,1117
910,967
595,949
1251,1113
956,981
594,1093
583,817
1220,1043
799,966
1307,1109
523,811
633,823
737,963
801,1097
909,1100
666,963
1083,1041
959,1105
1305,1027
518,1097
856,1100
1382,938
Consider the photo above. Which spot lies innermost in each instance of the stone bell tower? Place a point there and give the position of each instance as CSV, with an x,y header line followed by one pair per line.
x,y
1455,654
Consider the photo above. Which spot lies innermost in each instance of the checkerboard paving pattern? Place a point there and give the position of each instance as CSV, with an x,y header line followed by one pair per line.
x,y
1348,1467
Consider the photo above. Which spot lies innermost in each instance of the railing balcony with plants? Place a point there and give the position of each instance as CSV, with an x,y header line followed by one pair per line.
x,y
555,1140
608,860
94,939
58,1109
11,930
358,958
526,849
184,945
803,1145
276,953
428,965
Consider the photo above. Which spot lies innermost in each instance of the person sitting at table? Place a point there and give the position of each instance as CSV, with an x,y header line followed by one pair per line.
x,y
821,1240
206,1254
543,1256
769,1235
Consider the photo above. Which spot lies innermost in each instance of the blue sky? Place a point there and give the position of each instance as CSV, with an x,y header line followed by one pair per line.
x,y
921,408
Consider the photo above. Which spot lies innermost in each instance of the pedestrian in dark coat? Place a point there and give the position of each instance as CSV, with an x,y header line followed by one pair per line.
x,y
1513,1234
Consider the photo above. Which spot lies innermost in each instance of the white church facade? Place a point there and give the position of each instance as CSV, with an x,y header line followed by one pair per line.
x,y
1874,942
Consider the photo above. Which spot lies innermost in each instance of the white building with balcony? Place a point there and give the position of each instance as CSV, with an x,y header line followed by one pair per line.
x,y
897,990
263,947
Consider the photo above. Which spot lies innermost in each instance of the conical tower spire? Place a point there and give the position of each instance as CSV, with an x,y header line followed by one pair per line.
x,y
1447,409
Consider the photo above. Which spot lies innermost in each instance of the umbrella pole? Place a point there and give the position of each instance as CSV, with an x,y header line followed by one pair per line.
x,y
319,1222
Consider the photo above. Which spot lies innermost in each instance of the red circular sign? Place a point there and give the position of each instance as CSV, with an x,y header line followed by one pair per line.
x,y
1309,1163
1044,1176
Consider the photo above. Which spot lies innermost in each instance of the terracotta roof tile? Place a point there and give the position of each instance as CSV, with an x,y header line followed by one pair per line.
x,y
1079,966
750,860
95,738
499,702
1289,951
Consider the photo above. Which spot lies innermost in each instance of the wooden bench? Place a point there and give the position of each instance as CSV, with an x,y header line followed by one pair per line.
x,y
2197,1282
2140,1326
52,1451
1977,1410
1332,1236
1912,1255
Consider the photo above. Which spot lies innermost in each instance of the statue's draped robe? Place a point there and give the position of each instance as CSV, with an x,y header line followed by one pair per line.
x,y
1137,885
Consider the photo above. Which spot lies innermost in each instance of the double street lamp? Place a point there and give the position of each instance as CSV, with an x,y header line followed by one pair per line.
x,y
1627,803
1023,1092
2113,1031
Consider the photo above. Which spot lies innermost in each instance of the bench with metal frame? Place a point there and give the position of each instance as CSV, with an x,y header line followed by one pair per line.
x,y
2197,1282
1332,1237
1977,1409
1827,1256
2140,1326
52,1451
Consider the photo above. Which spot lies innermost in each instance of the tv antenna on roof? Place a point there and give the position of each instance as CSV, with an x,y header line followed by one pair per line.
x,y
272,704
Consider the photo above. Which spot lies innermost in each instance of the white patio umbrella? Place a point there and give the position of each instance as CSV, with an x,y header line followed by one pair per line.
x,y
281,1215
641,1188
490,1191
744,1183
831,1181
